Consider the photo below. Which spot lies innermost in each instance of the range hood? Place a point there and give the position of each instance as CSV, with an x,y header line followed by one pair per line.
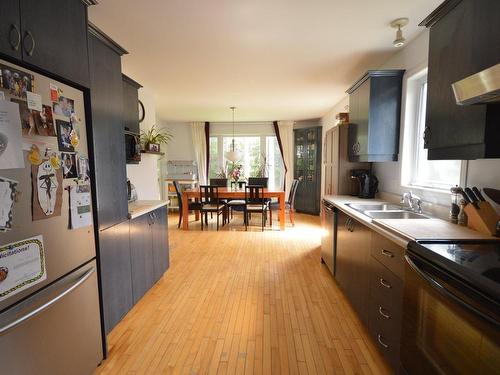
x,y
479,88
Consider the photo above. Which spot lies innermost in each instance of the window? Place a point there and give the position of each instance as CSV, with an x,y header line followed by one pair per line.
x,y
417,170
258,152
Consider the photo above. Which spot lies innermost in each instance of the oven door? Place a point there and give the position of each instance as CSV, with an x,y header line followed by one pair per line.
x,y
447,328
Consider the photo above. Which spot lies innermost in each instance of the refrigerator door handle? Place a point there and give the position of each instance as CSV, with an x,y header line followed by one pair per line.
x,y
6,328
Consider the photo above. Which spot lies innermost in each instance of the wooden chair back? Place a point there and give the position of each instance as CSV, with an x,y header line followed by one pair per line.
x,y
222,182
258,181
209,194
254,194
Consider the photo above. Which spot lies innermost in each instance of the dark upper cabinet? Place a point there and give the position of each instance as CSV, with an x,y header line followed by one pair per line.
x,y
463,40
374,116
115,274
307,168
10,29
54,37
131,104
108,138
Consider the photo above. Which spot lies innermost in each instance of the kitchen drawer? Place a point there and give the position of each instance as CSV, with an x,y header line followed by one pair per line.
x,y
388,253
385,287
387,336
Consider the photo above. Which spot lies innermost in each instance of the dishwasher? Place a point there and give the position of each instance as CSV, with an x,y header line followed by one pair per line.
x,y
329,223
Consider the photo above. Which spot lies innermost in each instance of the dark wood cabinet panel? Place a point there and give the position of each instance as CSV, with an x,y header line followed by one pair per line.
x,y
374,116
108,140
307,160
461,37
130,104
161,256
115,273
10,29
54,37
352,268
385,311
141,250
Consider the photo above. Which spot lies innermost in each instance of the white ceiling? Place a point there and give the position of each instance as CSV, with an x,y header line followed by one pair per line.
x,y
273,59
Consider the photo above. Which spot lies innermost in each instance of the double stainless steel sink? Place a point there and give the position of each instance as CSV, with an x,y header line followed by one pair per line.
x,y
386,211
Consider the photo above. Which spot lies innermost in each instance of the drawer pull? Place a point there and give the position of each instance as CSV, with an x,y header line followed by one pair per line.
x,y
387,253
385,283
379,338
381,312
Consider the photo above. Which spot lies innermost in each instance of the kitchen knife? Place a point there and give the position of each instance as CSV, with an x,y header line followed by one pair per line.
x,y
494,194
464,196
472,197
478,194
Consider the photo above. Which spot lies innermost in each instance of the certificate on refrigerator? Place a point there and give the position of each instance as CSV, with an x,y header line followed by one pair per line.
x,y
22,265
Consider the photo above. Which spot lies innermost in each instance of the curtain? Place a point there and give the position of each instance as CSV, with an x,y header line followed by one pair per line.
x,y
284,134
200,150
207,143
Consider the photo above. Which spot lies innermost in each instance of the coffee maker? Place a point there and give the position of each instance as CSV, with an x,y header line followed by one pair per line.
x,y
368,183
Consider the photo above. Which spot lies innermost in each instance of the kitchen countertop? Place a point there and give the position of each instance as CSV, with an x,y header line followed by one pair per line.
x,y
402,231
141,207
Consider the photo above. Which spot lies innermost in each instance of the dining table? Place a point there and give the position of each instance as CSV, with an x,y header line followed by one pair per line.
x,y
231,193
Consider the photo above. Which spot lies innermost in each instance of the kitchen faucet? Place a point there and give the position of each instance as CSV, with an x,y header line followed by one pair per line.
x,y
414,202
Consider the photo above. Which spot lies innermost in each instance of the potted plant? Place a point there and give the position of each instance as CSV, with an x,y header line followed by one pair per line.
x,y
153,138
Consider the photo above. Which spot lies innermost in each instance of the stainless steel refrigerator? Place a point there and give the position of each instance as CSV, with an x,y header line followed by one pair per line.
x,y
49,320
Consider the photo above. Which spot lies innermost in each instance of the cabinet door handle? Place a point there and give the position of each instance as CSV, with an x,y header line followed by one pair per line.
x,y
385,283
427,136
381,312
33,44
379,339
15,45
387,253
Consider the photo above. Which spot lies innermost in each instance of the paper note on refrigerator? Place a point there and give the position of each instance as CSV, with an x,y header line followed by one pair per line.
x,y
2,95
34,101
22,265
79,206
11,152
7,196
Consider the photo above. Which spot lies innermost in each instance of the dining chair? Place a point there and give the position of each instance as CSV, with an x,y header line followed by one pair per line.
x,y
236,204
289,204
192,206
255,203
221,182
210,202
262,181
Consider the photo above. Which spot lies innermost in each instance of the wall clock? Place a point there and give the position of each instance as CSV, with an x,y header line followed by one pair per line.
x,y
142,112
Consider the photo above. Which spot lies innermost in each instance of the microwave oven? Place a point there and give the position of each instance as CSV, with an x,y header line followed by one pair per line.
x,y
132,147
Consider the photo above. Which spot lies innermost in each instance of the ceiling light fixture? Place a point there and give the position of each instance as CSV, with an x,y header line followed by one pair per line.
x,y
232,155
398,24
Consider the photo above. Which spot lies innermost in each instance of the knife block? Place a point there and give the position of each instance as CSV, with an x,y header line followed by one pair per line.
x,y
483,219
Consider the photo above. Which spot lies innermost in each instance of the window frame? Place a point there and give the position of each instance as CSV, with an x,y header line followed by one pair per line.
x,y
411,141
220,146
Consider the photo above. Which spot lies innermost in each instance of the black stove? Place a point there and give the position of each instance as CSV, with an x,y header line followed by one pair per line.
x,y
476,263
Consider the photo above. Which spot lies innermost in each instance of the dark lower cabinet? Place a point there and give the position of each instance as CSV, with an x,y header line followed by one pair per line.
x,y
352,262
108,139
115,273
141,251
10,29
149,250
161,256
369,270
133,256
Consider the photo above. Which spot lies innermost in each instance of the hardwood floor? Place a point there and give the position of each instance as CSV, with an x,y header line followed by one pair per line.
x,y
236,302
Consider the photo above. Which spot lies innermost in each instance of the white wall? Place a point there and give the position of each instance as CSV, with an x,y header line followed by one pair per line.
x,y
181,145
413,58
144,175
